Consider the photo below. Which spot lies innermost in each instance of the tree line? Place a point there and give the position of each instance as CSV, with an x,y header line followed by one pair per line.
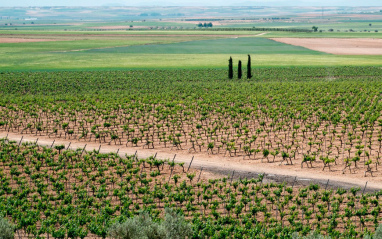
x,y
205,24
239,69
262,29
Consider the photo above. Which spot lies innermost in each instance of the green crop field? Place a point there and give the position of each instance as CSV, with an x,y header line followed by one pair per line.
x,y
236,45
64,43
103,61
148,51
340,25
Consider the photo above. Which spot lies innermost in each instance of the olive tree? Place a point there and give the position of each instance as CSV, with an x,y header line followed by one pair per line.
x,y
6,229
176,226
142,226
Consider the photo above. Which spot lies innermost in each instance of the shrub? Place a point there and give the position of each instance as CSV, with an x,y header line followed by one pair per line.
x,y
378,232
312,235
175,225
142,226
6,229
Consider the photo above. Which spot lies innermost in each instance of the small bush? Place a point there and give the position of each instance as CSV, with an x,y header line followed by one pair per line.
x,y
378,232
6,229
125,230
142,226
176,226
312,235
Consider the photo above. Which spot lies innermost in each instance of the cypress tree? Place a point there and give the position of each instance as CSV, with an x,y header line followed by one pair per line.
x,y
249,73
230,68
239,71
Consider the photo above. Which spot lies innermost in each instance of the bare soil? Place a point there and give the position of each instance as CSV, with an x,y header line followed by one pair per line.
x,y
338,46
215,23
345,16
20,40
119,27
218,165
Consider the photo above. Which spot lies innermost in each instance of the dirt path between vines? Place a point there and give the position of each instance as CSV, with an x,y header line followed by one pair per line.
x,y
218,165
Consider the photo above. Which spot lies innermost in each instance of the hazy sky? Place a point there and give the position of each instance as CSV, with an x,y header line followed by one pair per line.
x,y
25,3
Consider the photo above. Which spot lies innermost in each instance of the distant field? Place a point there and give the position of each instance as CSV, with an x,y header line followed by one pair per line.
x,y
107,61
84,42
203,32
244,45
338,46
128,32
165,49
340,25
325,34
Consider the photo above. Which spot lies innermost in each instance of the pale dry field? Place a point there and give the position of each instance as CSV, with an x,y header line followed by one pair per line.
x,y
338,46
120,27
20,40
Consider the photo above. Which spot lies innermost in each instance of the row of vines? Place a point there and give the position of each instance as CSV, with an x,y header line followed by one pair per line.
x,y
50,192
327,118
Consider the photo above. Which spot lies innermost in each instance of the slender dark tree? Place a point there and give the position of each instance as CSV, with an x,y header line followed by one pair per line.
x,y
230,68
249,71
239,71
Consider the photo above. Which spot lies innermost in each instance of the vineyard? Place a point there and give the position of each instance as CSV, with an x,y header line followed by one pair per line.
x,y
78,194
320,119
326,118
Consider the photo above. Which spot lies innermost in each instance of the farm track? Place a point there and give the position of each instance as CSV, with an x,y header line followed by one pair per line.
x,y
217,164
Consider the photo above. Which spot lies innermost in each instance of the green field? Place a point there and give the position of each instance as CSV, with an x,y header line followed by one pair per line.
x,y
175,41
103,61
340,25
164,49
243,45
